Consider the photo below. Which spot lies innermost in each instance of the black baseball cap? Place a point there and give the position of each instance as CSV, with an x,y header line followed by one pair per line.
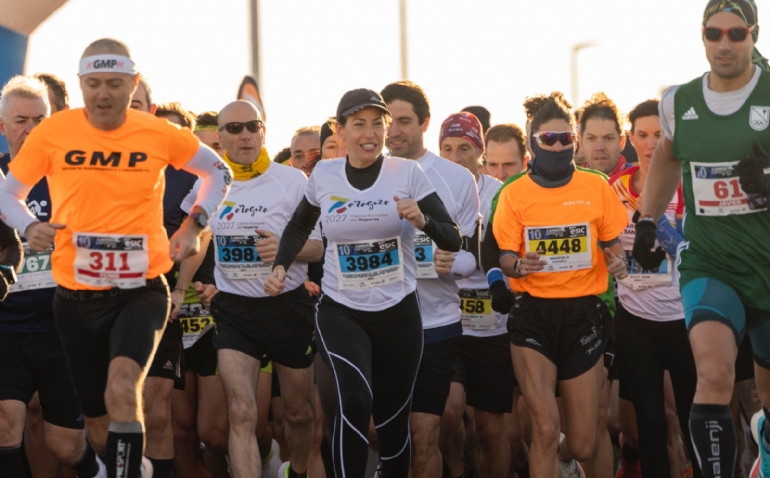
x,y
358,99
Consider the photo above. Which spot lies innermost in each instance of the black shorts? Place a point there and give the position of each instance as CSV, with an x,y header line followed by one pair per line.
x,y
434,377
489,378
267,328
201,357
569,332
30,362
167,362
97,326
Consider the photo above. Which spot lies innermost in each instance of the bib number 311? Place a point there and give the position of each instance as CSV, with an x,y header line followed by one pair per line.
x,y
111,260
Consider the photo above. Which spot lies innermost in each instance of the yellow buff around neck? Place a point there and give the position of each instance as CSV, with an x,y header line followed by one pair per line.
x,y
244,172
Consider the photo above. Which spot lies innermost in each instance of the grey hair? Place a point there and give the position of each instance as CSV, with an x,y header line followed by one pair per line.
x,y
27,87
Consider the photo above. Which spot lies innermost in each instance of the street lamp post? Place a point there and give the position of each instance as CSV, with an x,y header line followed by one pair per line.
x,y
574,64
404,45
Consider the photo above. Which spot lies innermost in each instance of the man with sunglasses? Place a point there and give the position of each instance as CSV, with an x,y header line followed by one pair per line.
x,y
711,125
252,327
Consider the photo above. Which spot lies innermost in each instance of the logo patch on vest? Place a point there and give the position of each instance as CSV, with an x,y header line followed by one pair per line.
x,y
759,118
690,115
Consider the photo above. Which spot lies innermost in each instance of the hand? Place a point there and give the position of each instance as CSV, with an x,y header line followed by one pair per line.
x,y
205,293
442,261
532,263
409,210
503,299
185,242
644,242
177,299
312,288
40,235
275,282
616,265
267,248
754,172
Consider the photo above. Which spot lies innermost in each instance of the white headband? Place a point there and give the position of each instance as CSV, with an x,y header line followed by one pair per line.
x,y
107,63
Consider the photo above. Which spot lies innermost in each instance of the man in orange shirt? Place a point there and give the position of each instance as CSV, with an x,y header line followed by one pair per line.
x,y
105,165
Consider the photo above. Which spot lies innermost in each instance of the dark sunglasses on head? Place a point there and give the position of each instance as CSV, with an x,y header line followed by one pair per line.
x,y
237,127
737,34
549,138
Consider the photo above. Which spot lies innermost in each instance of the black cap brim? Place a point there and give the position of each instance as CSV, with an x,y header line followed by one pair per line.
x,y
352,110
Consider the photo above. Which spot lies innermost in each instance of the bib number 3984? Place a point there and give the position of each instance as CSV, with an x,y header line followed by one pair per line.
x,y
717,190
111,260
366,264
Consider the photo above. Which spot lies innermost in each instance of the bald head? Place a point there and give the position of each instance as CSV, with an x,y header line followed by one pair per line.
x,y
107,46
238,111
242,145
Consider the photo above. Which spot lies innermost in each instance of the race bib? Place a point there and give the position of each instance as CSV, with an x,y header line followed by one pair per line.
x,y
562,248
237,258
111,260
476,309
717,190
641,279
195,321
423,253
366,264
35,271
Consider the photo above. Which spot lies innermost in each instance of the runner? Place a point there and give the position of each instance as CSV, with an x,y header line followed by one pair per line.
x,y
437,270
486,365
506,151
252,327
31,353
110,321
332,146
559,225
601,136
57,92
650,333
206,131
306,148
368,320
710,126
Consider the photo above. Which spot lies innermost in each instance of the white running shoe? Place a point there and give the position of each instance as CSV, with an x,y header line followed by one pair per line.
x,y
102,473
571,470
271,468
147,469
283,471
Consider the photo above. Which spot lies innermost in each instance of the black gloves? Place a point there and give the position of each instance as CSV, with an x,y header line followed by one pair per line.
x,y
503,299
754,175
643,244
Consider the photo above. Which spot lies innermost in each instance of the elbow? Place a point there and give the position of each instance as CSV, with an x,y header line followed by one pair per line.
x,y
317,251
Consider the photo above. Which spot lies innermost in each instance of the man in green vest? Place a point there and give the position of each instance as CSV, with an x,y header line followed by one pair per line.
x,y
711,125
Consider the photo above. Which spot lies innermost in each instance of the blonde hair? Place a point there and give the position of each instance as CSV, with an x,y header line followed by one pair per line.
x,y
27,87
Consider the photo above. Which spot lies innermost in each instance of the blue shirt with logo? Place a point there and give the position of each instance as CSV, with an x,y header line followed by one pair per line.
x,y
30,311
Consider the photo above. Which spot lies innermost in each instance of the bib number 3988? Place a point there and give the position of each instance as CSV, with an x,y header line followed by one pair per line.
x,y
111,260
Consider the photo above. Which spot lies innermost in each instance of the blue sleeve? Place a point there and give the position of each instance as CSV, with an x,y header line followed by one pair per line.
x,y
668,236
680,227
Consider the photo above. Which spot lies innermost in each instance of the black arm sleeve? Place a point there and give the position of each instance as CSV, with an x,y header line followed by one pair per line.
x,y
11,247
473,244
296,233
490,251
440,227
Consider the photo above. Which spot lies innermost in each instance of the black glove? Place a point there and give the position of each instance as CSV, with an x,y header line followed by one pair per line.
x,y
644,242
503,299
754,175
3,287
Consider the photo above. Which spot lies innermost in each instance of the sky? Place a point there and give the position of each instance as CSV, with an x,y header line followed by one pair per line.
x,y
488,52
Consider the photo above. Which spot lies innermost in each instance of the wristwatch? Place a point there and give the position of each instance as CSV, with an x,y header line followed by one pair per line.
x,y
9,273
200,218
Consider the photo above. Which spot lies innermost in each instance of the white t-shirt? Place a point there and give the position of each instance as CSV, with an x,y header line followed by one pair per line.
x,y
265,202
722,104
456,186
369,263
479,320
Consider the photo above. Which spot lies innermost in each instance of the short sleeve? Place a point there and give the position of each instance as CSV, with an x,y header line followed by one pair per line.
x,y
666,112
182,146
316,235
419,184
189,200
469,211
310,191
615,217
33,162
507,227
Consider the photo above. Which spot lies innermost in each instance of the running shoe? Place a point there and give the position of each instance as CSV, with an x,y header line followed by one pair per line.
x,y
270,469
571,470
147,469
761,468
102,473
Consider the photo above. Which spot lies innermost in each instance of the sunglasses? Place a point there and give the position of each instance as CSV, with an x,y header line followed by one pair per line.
x,y
237,127
549,138
737,34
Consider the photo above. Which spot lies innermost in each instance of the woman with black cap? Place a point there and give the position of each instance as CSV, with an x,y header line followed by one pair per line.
x,y
368,322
